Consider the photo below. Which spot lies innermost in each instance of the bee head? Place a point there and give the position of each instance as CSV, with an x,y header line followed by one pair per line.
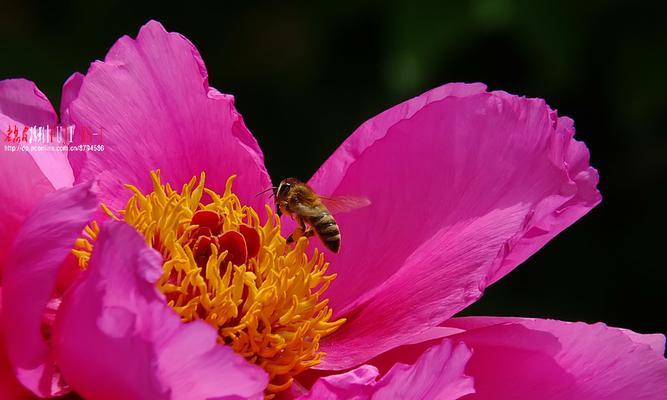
x,y
284,188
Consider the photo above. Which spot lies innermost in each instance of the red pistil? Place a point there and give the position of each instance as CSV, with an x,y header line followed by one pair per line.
x,y
252,240
209,219
235,244
240,246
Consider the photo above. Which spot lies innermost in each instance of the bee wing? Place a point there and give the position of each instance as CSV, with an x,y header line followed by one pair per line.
x,y
342,204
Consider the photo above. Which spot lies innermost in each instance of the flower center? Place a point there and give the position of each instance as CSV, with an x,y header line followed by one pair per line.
x,y
222,265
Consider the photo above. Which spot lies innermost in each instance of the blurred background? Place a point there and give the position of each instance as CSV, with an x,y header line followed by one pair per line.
x,y
309,74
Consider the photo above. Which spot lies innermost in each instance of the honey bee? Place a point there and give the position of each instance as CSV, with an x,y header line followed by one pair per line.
x,y
299,201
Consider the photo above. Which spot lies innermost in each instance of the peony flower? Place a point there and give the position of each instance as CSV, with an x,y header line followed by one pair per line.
x,y
151,270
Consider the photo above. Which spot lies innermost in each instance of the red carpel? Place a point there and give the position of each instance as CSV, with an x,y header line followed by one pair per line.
x,y
235,245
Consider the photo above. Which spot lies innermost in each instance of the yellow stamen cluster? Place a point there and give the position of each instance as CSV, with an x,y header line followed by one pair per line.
x,y
267,309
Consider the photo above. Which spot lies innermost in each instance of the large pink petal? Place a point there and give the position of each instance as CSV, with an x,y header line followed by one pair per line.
x,y
25,177
521,358
151,101
464,186
655,341
436,374
10,387
517,359
22,186
116,338
44,241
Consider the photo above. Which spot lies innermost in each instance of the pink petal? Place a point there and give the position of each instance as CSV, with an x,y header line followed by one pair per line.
x,y
25,177
437,374
354,385
332,173
464,186
10,387
45,239
655,341
116,338
70,92
21,103
515,358
22,186
151,100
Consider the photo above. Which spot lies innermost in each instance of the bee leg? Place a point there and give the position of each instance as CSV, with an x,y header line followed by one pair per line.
x,y
306,232
298,232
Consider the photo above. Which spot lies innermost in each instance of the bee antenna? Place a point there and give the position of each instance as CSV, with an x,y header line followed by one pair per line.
x,y
265,190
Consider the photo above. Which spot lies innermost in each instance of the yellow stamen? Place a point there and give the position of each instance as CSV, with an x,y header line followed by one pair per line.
x,y
266,306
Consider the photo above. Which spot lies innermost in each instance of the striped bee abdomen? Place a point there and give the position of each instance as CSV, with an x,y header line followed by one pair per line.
x,y
327,229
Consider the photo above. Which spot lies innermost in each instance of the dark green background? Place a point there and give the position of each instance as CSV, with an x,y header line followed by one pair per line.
x,y
310,74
